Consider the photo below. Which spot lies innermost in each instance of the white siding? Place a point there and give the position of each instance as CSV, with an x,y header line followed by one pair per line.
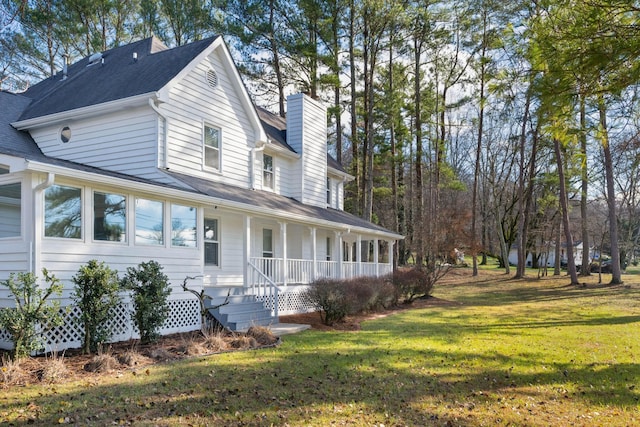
x,y
307,134
123,141
231,250
193,104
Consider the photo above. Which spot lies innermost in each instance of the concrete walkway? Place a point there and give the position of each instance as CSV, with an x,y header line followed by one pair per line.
x,y
280,329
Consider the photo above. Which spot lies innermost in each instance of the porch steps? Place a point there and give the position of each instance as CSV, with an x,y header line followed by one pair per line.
x,y
240,312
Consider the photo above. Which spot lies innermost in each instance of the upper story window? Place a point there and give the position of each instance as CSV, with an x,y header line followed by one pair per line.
x,y
149,222
10,214
267,171
4,170
109,217
63,212
183,226
212,147
328,191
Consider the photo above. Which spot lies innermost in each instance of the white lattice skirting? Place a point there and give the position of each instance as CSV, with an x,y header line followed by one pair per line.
x,y
289,301
184,317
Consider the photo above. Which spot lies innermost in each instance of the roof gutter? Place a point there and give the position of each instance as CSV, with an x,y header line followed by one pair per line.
x,y
85,112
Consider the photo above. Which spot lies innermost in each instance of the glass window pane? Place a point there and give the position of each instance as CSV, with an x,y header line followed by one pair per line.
x,y
63,212
149,222
109,217
267,243
212,158
10,201
211,137
211,254
212,147
183,226
211,243
267,173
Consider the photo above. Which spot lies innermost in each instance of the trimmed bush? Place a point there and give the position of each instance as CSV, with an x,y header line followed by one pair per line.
x,y
33,314
329,298
410,284
150,287
96,295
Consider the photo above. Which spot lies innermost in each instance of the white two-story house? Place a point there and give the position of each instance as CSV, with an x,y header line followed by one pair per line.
x,y
147,153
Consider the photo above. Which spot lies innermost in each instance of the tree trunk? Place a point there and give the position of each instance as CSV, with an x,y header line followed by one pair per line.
x,y
522,204
564,204
354,117
584,268
616,273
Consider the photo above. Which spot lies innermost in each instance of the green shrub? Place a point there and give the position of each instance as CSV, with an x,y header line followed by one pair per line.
x,y
33,314
150,287
412,283
96,295
329,298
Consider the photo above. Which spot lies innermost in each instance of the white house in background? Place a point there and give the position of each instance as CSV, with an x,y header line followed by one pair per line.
x,y
147,153
548,254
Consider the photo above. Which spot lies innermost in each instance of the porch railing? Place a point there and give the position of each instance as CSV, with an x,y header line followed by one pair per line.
x,y
263,287
301,271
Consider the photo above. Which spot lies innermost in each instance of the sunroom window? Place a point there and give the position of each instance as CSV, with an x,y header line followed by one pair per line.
x,y
212,145
63,212
183,226
109,217
10,214
149,222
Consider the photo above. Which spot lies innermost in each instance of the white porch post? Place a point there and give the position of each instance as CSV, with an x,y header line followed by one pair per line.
x,y
246,253
375,256
285,264
359,254
339,245
392,244
314,254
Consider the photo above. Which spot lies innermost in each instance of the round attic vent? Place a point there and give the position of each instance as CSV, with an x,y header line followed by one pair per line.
x,y
65,134
212,79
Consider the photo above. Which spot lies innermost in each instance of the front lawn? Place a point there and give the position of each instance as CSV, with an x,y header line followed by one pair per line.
x,y
500,352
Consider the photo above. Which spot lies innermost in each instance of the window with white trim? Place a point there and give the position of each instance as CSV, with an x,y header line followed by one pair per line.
x,y
212,147
268,180
183,226
149,222
267,243
109,217
63,212
211,242
328,248
328,191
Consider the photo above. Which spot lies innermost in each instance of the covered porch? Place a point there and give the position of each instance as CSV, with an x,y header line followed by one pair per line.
x,y
284,258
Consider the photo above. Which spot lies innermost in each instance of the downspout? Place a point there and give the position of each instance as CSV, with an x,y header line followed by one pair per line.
x,y
259,147
165,152
36,235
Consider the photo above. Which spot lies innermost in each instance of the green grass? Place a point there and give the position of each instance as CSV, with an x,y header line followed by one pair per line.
x,y
501,352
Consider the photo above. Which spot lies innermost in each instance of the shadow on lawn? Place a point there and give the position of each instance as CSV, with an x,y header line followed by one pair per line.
x,y
362,385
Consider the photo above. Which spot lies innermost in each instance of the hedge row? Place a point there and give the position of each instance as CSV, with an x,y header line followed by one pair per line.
x,y
336,299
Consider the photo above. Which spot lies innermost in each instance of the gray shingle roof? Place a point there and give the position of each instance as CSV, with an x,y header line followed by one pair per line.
x,y
274,202
12,141
120,76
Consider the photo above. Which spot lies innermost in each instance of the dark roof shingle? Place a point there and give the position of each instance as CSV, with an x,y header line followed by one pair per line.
x,y
119,76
